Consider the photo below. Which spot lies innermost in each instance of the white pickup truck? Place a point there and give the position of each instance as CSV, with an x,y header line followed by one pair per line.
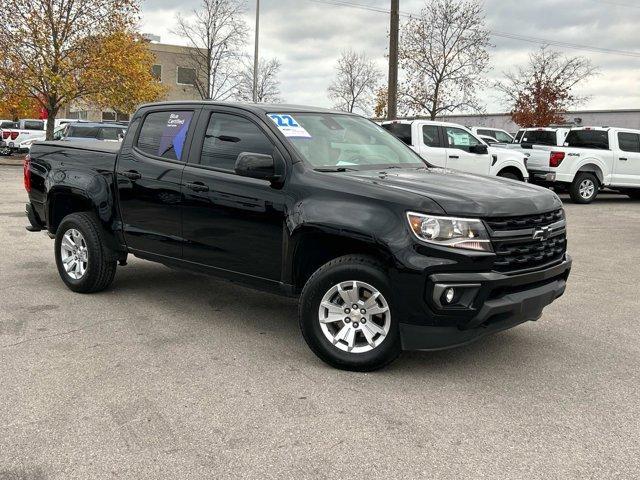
x,y
590,159
452,146
502,136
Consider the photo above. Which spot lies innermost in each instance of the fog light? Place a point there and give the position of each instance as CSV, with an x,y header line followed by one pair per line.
x,y
449,295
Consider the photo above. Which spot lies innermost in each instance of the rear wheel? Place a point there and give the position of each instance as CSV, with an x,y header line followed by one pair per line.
x,y
84,262
584,188
346,314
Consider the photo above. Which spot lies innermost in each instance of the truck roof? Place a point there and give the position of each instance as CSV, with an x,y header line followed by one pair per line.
x,y
425,121
259,108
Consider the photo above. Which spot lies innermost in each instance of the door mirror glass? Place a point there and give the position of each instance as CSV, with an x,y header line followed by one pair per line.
x,y
478,149
256,165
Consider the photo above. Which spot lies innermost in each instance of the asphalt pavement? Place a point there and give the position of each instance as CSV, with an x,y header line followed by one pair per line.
x,y
172,375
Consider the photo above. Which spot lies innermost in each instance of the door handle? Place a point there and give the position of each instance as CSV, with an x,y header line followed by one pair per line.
x,y
197,187
132,175
624,159
454,156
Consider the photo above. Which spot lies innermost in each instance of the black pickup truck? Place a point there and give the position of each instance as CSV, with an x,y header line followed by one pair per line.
x,y
385,252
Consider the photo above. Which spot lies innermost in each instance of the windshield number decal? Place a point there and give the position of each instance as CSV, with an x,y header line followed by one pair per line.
x,y
288,126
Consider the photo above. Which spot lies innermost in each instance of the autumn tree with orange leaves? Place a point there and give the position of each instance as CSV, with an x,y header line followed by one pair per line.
x,y
539,93
70,50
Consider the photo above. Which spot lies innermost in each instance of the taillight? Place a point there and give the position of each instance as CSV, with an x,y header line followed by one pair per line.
x,y
555,159
27,173
6,135
14,135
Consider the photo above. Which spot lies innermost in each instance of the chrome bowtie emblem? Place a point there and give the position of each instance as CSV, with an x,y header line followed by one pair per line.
x,y
542,234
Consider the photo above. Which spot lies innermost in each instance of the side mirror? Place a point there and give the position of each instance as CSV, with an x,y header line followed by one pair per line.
x,y
479,149
256,165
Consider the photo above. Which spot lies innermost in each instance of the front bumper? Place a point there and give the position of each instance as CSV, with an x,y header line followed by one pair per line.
x,y
502,302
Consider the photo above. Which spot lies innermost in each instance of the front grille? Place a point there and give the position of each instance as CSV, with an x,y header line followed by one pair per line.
x,y
499,224
517,249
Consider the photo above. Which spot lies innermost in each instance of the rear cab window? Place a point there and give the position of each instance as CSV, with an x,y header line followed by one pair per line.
x,y
402,131
539,137
629,142
163,134
598,139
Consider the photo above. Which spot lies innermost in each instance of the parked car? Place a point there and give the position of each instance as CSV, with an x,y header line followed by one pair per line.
x,y
24,130
452,146
592,158
108,132
502,136
384,252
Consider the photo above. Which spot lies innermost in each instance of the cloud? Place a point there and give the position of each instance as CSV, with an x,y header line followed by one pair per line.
x,y
308,37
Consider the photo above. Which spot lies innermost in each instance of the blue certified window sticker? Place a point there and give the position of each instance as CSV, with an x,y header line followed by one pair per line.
x,y
288,126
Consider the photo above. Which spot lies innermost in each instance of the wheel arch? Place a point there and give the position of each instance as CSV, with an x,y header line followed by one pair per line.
x,y
515,170
592,166
312,247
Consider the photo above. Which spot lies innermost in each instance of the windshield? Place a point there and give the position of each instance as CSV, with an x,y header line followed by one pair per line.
x,y
327,140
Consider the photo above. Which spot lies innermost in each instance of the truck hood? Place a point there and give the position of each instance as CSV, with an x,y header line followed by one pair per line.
x,y
461,194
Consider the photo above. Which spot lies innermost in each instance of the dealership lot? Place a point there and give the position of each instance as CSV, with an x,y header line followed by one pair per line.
x,y
171,375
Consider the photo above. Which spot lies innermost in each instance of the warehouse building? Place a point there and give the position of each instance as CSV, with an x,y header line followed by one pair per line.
x,y
609,118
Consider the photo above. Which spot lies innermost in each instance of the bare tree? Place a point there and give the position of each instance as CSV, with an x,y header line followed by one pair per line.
x,y
217,32
541,91
268,82
443,55
355,84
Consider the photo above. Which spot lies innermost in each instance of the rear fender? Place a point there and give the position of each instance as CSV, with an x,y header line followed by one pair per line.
x,y
80,191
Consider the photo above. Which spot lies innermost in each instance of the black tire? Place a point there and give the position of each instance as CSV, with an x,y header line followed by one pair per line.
x,y
574,189
509,175
351,267
101,261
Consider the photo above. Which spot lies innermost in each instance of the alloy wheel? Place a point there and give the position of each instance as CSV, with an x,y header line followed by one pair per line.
x,y
354,316
587,189
74,254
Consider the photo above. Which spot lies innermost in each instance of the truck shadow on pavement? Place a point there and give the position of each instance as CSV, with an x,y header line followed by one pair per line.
x,y
214,305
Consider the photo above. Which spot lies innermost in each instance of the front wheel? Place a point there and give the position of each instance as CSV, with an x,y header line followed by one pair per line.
x,y
346,314
509,175
84,262
584,188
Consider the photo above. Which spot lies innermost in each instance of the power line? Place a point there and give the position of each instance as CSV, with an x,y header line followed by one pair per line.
x,y
496,33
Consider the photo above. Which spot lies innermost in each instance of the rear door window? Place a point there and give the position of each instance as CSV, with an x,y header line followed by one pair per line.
x,y
402,131
539,137
430,136
629,142
163,134
598,139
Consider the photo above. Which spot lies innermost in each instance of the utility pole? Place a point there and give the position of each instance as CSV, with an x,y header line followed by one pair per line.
x,y
255,54
392,92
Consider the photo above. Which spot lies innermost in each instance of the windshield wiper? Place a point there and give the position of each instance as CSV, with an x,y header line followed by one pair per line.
x,y
335,169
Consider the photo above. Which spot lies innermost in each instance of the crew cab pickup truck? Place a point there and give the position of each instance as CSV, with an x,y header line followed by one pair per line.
x,y
590,159
384,252
452,146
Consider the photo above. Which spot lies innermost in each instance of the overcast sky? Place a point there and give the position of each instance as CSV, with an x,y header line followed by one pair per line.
x,y
308,36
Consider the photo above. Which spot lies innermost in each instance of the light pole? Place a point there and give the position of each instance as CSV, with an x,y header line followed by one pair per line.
x,y
255,54
392,92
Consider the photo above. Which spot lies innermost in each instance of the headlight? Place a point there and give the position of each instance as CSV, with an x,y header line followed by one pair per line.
x,y
467,233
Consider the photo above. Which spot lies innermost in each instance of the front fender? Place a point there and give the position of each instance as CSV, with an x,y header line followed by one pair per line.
x,y
514,163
